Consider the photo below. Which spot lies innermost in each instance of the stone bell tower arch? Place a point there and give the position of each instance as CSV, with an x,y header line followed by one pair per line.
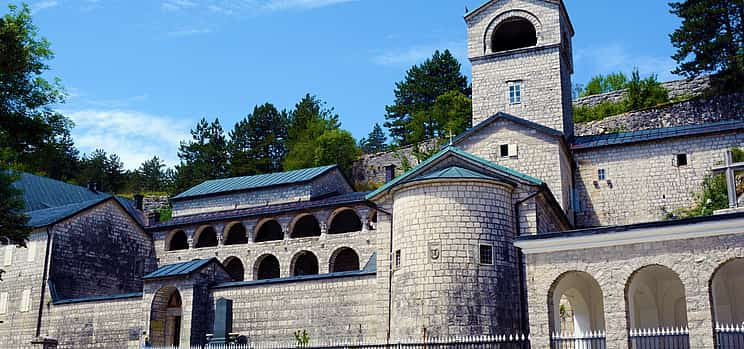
x,y
522,61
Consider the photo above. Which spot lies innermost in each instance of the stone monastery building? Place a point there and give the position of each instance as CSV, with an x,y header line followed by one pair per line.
x,y
517,226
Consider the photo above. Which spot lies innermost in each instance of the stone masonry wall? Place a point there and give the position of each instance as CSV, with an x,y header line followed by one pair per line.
x,y
370,168
100,252
676,88
539,155
541,69
694,260
440,284
23,274
113,323
329,309
691,112
643,184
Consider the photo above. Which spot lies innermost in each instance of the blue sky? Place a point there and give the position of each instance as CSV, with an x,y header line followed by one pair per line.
x,y
140,74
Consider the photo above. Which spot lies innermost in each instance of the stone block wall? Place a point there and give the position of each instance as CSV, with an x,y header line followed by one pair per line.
x,y
100,252
693,260
676,88
369,170
691,112
439,284
23,275
112,323
643,184
329,309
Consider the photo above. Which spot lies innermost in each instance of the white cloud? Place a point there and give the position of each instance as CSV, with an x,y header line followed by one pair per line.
x,y
617,58
43,5
187,32
417,54
134,136
175,5
301,4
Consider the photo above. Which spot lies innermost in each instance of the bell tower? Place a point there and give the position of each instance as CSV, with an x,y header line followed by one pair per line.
x,y
522,61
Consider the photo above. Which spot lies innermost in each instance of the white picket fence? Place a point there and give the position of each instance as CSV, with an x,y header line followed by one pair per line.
x,y
660,338
730,336
582,340
515,341
659,332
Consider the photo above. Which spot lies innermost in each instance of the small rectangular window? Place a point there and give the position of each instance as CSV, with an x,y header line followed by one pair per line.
x,y
8,255
25,300
389,173
515,92
512,150
397,259
601,174
504,150
681,160
3,302
486,254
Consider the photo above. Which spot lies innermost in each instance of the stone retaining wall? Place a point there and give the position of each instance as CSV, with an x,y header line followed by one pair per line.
x,y
676,88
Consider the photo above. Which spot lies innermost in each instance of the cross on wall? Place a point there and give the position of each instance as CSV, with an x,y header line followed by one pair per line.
x,y
730,168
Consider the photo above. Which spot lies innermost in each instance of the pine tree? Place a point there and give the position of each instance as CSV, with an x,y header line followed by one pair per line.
x,y
151,175
107,171
257,143
710,39
375,141
307,122
418,92
203,158
337,147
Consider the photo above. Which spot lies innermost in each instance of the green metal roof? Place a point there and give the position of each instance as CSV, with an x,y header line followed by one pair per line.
x,y
179,269
217,186
454,172
458,152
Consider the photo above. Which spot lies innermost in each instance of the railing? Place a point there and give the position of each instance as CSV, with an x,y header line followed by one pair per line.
x,y
591,340
660,338
480,342
730,337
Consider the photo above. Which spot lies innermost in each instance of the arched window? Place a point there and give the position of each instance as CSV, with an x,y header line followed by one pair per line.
x,y
234,267
512,34
304,263
344,259
344,222
178,241
267,267
576,305
656,299
236,235
207,238
269,231
727,293
306,226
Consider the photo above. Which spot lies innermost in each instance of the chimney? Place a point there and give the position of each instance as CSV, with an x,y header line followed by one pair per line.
x,y
138,201
93,186
153,218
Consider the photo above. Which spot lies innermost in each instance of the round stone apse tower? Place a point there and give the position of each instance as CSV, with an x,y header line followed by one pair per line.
x,y
455,270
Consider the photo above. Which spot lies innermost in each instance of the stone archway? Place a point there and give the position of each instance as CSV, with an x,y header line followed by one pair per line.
x,y
165,318
576,305
304,263
656,299
727,293
234,267
343,259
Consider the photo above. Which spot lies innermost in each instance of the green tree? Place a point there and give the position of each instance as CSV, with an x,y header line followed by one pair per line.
x,y
32,134
204,157
418,92
645,93
714,194
604,83
257,143
307,122
337,147
13,223
107,171
150,176
710,39
375,141
450,115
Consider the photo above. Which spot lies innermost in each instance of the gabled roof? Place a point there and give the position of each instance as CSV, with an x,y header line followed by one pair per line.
x,y
454,172
180,269
604,140
504,116
49,201
452,151
218,186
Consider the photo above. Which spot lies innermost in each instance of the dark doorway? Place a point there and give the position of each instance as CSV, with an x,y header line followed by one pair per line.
x,y
345,221
207,238
267,268
236,235
234,267
513,34
305,263
306,226
178,241
270,231
345,259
